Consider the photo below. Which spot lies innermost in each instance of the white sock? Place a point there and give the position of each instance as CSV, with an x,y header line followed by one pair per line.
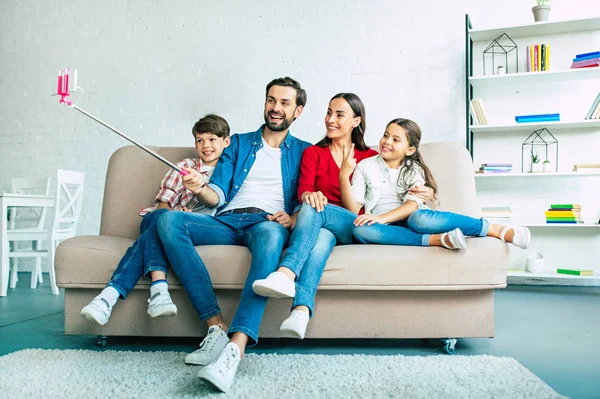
x,y
110,294
159,287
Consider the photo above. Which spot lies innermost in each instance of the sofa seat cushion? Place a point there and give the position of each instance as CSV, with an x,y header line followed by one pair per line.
x,y
89,261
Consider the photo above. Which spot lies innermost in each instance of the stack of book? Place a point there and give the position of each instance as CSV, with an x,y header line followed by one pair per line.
x,y
477,112
495,168
587,60
594,112
575,272
497,214
537,118
564,213
538,58
587,167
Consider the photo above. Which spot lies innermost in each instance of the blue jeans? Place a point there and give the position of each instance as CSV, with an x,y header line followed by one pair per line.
x,y
417,228
144,256
181,231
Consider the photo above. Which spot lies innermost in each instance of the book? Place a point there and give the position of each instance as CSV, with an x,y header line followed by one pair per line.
x,y
473,113
548,57
531,120
593,108
586,63
594,53
575,272
570,206
588,57
480,104
537,116
506,165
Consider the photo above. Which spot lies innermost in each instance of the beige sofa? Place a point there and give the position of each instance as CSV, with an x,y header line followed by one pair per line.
x,y
367,291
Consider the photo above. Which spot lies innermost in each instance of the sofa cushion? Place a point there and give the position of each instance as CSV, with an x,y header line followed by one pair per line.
x,y
89,261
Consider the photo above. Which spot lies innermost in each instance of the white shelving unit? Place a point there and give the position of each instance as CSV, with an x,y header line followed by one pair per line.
x,y
522,84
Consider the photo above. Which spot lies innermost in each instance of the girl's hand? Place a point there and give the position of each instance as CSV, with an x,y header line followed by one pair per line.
x,y
369,220
424,193
348,162
315,199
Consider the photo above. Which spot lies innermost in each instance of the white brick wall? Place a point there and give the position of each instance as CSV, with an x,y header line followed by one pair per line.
x,y
152,68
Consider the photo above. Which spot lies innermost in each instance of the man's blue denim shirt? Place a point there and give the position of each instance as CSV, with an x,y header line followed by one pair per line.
x,y
237,160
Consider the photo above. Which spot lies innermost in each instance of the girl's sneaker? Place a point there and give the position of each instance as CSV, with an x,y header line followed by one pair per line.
x,y
295,325
98,310
457,239
521,238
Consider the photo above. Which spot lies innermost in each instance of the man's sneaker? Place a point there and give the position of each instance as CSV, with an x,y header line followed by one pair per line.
x,y
221,372
161,305
210,347
276,285
98,310
295,325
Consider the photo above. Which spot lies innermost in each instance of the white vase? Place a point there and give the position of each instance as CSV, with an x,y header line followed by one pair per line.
x,y
541,13
535,168
547,167
535,262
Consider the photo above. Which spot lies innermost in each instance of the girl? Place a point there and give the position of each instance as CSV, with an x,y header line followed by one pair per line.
x,y
319,191
393,216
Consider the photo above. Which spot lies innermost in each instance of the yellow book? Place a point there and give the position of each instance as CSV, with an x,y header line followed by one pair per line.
x,y
547,56
558,214
539,56
531,62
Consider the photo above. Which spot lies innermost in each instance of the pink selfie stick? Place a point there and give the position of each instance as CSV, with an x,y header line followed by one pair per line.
x,y
63,91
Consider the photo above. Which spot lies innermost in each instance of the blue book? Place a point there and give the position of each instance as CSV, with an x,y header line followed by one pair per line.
x,y
587,57
533,120
595,53
537,116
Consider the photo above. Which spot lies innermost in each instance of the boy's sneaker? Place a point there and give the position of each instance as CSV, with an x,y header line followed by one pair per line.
x,y
210,347
295,325
161,305
98,310
221,372
276,285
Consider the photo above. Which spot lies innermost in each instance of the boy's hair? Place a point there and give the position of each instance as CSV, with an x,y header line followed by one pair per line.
x,y
358,133
289,82
413,135
213,124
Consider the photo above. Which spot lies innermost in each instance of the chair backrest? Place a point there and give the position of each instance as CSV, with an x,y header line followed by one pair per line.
x,y
29,217
69,198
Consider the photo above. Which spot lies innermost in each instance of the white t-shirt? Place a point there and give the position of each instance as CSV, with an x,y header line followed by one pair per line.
x,y
200,207
388,199
263,187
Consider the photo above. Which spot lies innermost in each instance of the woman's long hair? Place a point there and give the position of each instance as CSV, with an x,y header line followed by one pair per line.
x,y
413,134
358,133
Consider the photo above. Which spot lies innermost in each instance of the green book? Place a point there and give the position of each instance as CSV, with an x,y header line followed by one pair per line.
x,y
568,206
575,272
565,219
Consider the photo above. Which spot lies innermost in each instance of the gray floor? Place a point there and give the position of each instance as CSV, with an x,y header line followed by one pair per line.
x,y
553,331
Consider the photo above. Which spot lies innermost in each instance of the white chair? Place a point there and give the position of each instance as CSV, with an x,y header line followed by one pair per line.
x,y
67,209
24,221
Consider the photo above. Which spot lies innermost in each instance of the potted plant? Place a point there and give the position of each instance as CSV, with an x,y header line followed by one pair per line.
x,y
541,11
535,162
547,166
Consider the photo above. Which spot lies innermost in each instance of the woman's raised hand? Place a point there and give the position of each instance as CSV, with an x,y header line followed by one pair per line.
x,y
348,162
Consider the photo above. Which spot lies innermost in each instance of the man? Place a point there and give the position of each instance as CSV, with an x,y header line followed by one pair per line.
x,y
255,188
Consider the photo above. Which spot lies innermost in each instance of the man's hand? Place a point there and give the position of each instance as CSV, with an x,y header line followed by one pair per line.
x,y
194,181
315,199
282,218
348,162
424,193
369,220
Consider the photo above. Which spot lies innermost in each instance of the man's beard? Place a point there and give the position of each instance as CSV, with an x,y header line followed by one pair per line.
x,y
283,125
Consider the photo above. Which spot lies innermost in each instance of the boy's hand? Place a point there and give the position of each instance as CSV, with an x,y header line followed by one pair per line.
x,y
424,193
369,220
315,199
348,162
282,218
194,181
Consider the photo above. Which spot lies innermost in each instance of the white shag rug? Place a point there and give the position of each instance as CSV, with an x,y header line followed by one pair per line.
x,y
36,373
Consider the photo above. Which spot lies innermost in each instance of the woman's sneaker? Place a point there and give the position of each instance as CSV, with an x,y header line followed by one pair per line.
x,y
210,347
295,325
98,310
221,372
161,305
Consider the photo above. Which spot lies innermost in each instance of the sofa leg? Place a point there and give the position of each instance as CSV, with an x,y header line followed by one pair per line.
x,y
101,341
449,345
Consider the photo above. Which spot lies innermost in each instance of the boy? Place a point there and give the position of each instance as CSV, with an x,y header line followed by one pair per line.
x,y
146,256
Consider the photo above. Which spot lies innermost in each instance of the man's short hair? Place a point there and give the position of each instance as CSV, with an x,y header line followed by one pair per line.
x,y
212,123
289,82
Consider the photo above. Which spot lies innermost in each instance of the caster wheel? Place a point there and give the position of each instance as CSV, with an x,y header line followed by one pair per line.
x,y
449,345
101,342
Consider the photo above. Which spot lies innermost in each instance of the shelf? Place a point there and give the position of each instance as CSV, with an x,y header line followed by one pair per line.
x,y
541,174
538,28
550,278
520,127
535,77
566,225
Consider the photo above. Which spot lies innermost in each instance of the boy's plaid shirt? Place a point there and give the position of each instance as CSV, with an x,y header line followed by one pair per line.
x,y
172,190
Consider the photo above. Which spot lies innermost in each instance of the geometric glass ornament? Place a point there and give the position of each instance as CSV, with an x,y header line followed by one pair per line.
x,y
497,55
539,152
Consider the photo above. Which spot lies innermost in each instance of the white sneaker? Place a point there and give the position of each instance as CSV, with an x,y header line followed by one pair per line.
x,y
457,239
161,305
295,325
221,372
521,238
210,347
276,285
98,310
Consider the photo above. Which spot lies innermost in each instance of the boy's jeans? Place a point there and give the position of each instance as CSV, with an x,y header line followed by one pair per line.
x,y
144,256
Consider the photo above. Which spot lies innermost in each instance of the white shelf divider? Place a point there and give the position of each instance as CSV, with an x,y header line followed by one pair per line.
x,y
522,127
538,28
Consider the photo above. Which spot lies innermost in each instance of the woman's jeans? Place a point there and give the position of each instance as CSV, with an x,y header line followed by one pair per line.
x,y
144,256
418,227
